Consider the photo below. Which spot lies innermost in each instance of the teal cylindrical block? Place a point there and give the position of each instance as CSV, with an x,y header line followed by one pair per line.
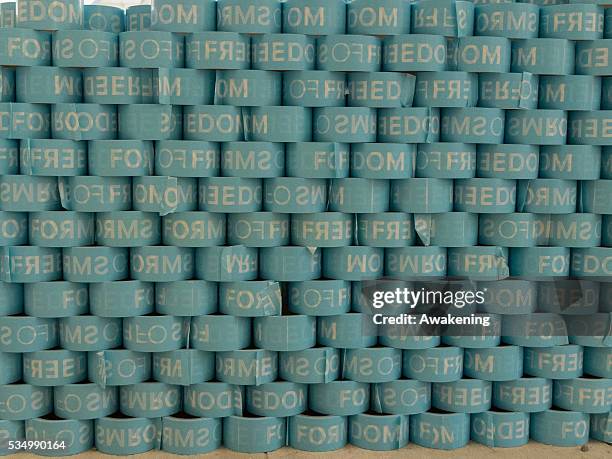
x,y
551,427
84,401
61,229
546,127
315,88
208,432
83,121
148,49
217,123
458,18
78,435
382,160
402,396
54,367
342,398
339,331
84,48
358,195
127,228
28,401
344,124
426,428
353,262
182,158
414,53
570,92
12,362
193,229
409,263
392,17
310,366
446,89
230,194
185,17
279,398
247,88
500,429
8,17
572,162
155,333
119,85
372,365
95,194
534,330
507,161
594,196
595,359
110,430
11,430
510,230
571,297
366,431
30,263
449,229
206,50
592,57
592,262
186,298
589,234
11,299
279,124
317,433
537,395
230,17
504,363
437,364
226,263
24,47
181,86
478,262
101,333
266,361
49,15
258,229
149,122
462,396
322,229
348,53
117,367
538,361
9,157
295,195
508,90
600,427
483,195
14,228
408,125
250,298
47,85
164,195
103,17
220,333
161,263
319,297
385,229
422,195
497,19
547,196
289,263
170,394
534,55
95,264
539,262
25,121
314,17
479,54
276,51
29,334
51,157
472,125
380,89
254,435
213,400
587,395
317,160
588,25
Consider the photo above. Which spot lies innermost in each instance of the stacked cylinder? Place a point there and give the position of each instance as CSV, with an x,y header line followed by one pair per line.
x,y
200,201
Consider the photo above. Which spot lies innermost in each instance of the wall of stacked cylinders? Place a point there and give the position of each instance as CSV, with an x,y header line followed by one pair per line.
x,y
199,200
